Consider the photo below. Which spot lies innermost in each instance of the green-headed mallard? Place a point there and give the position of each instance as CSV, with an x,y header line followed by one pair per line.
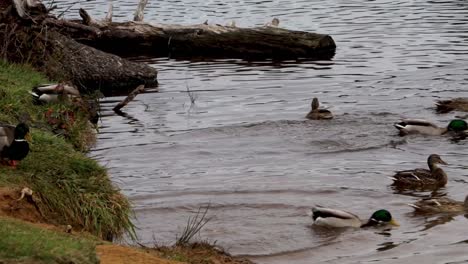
x,y
421,178
445,106
316,113
337,218
440,205
418,126
14,143
48,93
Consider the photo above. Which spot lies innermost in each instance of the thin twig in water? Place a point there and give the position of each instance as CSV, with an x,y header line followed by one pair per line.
x,y
66,10
192,95
194,225
51,5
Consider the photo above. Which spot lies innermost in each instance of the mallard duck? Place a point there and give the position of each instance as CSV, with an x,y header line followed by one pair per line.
x,y
316,113
445,106
14,143
337,218
434,177
418,126
274,23
48,93
440,205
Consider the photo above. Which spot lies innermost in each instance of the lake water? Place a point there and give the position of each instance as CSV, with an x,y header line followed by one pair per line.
x,y
244,147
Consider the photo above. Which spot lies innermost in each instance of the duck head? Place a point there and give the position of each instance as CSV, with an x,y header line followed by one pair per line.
x,y
315,103
435,159
381,217
457,125
22,132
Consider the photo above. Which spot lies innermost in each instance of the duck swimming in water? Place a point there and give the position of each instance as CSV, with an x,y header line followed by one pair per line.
x,y
316,113
337,218
440,205
423,127
422,178
14,143
459,104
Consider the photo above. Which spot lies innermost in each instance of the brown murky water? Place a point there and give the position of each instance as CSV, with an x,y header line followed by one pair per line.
x,y
244,147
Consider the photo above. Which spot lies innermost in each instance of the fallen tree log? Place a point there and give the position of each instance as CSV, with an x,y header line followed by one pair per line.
x,y
207,41
32,40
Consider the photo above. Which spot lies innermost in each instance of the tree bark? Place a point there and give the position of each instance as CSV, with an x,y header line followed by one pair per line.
x,y
36,41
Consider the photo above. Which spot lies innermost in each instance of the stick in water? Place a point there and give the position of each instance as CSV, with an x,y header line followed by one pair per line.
x,y
129,98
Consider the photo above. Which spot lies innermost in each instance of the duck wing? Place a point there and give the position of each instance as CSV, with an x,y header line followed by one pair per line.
x,y
437,205
415,122
324,212
7,135
413,177
56,88
418,126
50,88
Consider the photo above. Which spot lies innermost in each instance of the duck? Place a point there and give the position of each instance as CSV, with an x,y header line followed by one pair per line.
x,y
335,218
274,23
48,93
459,104
316,113
14,144
423,127
417,178
440,205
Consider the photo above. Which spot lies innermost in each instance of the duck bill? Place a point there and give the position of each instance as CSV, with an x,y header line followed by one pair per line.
x,y
443,162
28,137
394,222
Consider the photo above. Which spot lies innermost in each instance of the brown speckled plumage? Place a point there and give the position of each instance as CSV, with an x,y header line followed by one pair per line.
x,y
421,178
440,205
316,113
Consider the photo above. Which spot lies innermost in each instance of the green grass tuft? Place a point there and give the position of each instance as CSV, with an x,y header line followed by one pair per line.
x,y
31,244
73,188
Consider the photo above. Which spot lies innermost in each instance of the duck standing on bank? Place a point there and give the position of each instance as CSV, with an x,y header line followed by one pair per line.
x,y
49,93
14,143
435,177
423,127
440,205
316,113
329,217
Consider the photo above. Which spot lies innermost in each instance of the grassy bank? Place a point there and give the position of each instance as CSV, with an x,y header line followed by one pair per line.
x,y
71,188
40,245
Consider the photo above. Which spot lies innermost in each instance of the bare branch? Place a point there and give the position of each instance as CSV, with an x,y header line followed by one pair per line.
x,y
139,11
129,98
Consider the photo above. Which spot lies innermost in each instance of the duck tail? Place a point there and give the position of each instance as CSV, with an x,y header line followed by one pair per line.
x,y
399,126
35,97
392,178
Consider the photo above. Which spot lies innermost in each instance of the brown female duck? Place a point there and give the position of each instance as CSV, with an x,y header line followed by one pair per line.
x,y
316,113
440,205
459,104
421,178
